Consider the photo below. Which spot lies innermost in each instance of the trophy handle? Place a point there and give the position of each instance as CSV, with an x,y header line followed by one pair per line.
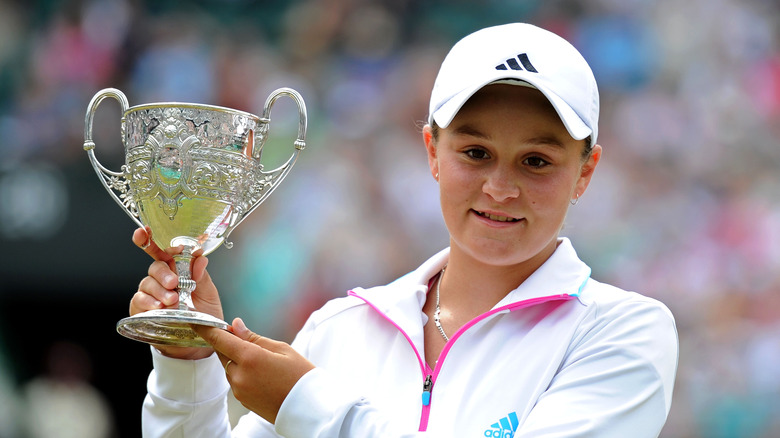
x,y
268,181
113,181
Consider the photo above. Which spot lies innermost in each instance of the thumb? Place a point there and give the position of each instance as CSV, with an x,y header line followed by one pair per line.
x,y
240,330
199,267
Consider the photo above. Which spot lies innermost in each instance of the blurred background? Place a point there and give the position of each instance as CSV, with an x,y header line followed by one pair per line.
x,y
684,206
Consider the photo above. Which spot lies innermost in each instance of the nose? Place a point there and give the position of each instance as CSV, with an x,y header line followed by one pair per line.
x,y
500,184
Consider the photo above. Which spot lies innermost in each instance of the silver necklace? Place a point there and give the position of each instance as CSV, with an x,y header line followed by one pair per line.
x,y
436,314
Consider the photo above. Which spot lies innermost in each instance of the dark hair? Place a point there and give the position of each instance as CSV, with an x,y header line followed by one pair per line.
x,y
587,149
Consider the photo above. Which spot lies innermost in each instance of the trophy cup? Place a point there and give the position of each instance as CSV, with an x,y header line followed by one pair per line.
x,y
192,173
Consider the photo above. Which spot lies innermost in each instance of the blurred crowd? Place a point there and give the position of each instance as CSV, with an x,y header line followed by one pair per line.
x,y
684,206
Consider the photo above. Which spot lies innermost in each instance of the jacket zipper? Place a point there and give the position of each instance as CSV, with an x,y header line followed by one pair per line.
x,y
429,376
427,387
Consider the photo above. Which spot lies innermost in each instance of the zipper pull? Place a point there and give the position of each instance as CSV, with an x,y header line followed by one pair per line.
x,y
427,386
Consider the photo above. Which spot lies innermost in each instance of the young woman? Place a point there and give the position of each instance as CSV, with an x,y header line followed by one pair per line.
x,y
503,334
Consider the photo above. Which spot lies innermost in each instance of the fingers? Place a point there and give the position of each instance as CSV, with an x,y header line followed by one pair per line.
x,y
260,371
163,274
152,296
142,302
240,330
156,291
227,345
216,336
226,364
232,344
199,265
142,237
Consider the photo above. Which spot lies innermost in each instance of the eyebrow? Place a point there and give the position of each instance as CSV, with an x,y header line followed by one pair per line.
x,y
470,131
541,140
547,140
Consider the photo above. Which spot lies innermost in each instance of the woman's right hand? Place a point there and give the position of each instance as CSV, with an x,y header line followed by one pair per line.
x,y
158,291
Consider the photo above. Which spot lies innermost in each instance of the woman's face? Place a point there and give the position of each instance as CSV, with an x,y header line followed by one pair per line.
x,y
507,169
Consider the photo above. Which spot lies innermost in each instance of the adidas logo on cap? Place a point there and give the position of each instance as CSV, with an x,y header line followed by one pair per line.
x,y
526,54
513,64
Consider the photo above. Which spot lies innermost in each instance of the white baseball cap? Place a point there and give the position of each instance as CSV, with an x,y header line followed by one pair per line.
x,y
526,55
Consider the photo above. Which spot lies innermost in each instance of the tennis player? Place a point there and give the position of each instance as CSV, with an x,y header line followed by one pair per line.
x,y
502,334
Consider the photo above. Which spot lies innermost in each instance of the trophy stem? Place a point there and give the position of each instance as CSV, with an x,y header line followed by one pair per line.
x,y
186,284
172,326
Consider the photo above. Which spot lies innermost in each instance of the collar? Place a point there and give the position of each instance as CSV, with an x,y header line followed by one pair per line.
x,y
562,273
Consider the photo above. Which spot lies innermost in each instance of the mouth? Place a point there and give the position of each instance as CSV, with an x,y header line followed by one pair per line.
x,y
495,217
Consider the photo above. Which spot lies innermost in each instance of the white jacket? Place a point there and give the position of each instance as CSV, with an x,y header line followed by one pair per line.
x,y
561,356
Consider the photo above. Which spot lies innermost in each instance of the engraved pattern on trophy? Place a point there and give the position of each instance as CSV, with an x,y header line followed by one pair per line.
x,y
190,160
192,174
168,164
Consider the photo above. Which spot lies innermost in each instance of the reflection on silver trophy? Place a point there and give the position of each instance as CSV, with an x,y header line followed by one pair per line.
x,y
192,173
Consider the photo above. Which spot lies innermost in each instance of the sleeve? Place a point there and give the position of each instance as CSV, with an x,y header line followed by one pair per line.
x,y
318,407
185,398
188,398
616,380
323,406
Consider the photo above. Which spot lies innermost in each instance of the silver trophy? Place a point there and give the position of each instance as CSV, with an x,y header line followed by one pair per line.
x,y
192,173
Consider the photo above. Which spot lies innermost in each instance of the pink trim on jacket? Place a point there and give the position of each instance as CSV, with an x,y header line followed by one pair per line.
x,y
427,373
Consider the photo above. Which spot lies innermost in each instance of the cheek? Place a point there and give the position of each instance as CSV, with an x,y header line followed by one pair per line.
x,y
458,191
453,192
549,195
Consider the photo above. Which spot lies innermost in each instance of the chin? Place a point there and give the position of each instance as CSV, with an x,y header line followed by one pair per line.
x,y
502,253
499,253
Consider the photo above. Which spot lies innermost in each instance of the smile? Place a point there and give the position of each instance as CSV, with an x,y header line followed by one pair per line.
x,y
497,217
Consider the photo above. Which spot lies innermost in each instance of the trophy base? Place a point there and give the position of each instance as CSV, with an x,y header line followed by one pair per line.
x,y
168,327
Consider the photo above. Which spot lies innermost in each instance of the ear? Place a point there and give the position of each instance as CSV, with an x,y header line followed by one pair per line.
x,y
586,171
430,147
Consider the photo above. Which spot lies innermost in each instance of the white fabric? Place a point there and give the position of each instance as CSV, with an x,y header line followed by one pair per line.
x,y
601,364
557,69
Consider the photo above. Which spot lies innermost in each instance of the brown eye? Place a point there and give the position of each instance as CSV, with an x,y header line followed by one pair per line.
x,y
477,154
536,162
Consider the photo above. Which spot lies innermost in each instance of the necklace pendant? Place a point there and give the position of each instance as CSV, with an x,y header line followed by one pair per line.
x,y
437,313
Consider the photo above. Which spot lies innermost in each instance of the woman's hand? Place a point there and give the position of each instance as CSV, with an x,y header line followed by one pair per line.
x,y
261,371
158,291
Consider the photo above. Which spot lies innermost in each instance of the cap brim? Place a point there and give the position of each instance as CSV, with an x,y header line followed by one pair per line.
x,y
573,123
